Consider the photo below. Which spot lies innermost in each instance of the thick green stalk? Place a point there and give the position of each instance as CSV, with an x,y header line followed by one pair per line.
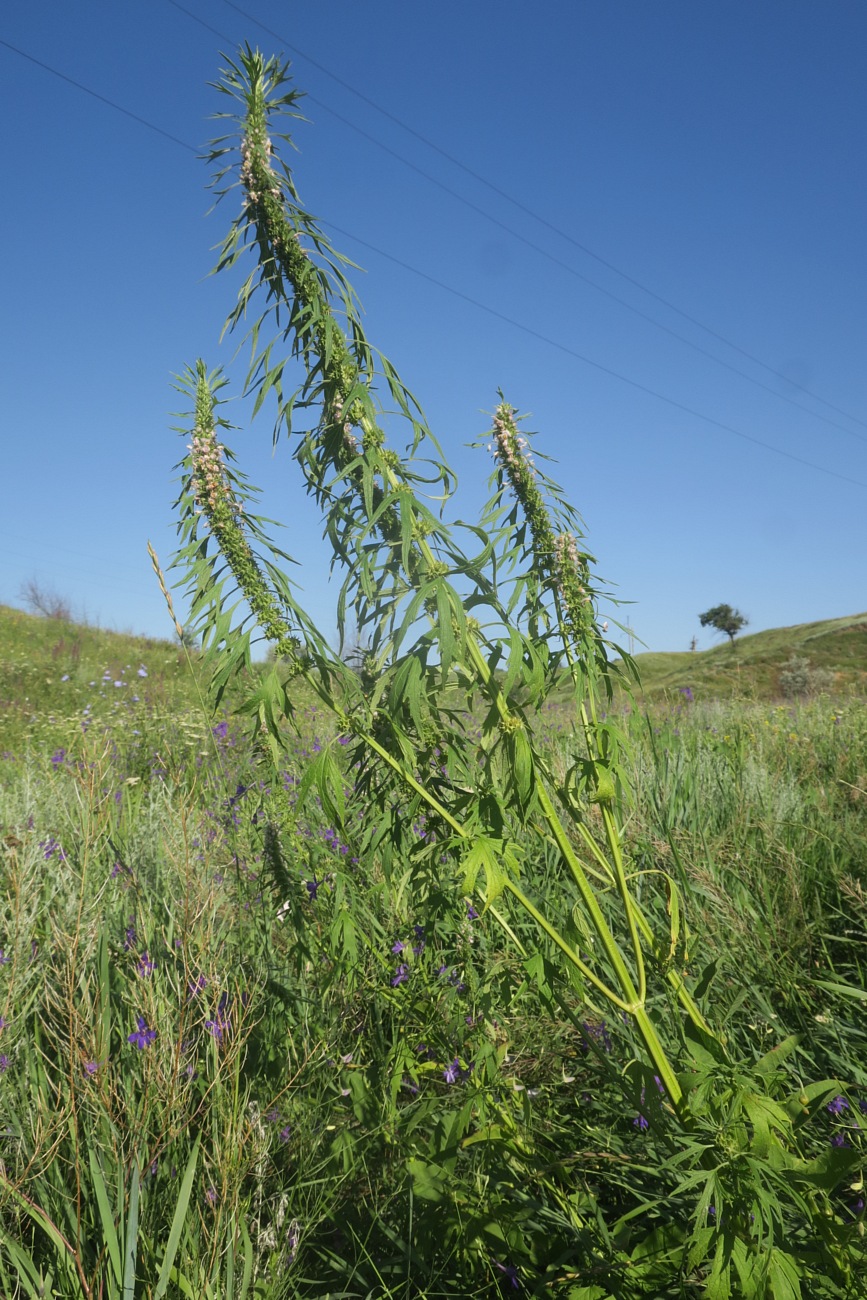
x,y
346,405
636,1009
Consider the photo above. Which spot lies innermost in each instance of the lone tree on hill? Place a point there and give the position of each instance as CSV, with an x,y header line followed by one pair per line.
x,y
724,619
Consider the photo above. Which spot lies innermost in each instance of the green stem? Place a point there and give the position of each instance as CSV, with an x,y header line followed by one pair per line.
x,y
613,835
277,238
569,952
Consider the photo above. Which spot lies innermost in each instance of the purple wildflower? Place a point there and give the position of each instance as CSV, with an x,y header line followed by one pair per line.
x,y
398,947
142,672
221,730
401,975
285,1134
201,983
597,1034
455,1074
839,1140
91,1067
57,758
220,1025
472,914
145,966
509,1272
4,960
452,1073
143,1036
640,1123
838,1105
216,1027
4,1063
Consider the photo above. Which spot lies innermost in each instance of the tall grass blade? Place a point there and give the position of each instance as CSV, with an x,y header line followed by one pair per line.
x,y
178,1220
131,1234
109,1229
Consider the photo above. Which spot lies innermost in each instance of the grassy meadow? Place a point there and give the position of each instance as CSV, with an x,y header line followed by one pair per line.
x,y
234,1035
452,970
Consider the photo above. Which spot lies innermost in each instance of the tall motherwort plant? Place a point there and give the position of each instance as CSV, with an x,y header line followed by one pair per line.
x,y
458,619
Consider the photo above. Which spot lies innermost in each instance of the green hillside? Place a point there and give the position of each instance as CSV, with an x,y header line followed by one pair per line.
x,y
55,673
836,651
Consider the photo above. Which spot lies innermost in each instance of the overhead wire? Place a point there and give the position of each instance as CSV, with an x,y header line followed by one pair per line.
x,y
543,252
523,207
519,325
579,275
103,99
596,365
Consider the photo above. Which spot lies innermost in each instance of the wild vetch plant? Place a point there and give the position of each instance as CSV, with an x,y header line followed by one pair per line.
x,y
475,627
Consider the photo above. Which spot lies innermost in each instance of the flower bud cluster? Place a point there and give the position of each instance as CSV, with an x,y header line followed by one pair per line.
x,y
570,576
211,486
511,449
215,498
257,151
349,431
512,452
350,441
557,560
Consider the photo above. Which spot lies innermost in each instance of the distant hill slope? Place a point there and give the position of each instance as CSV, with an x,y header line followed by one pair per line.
x,y
751,667
53,668
50,666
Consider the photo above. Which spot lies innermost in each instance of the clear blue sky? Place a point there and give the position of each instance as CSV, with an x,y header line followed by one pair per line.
x,y
710,155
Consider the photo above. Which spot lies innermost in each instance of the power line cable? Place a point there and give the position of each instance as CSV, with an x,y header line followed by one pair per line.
x,y
52,546
543,252
522,207
102,98
99,578
597,365
526,329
